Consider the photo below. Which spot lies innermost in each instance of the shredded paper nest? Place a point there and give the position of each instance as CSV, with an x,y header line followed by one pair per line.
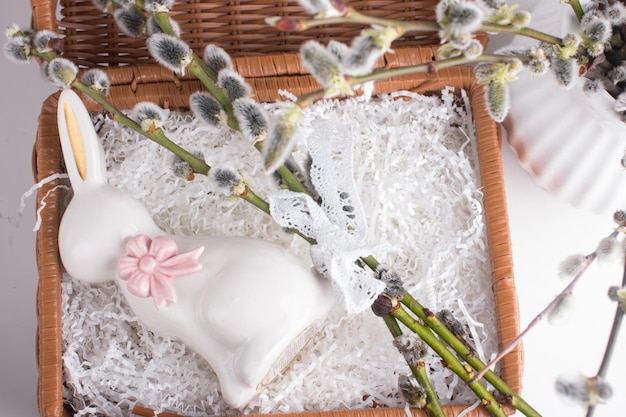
x,y
416,169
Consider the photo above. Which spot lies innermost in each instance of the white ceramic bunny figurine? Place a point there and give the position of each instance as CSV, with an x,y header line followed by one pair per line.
x,y
245,305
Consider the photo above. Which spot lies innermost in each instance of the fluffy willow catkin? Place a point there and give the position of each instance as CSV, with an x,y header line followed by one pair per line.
x,y
582,390
158,6
18,49
235,85
149,115
62,72
498,101
321,63
362,55
216,58
252,118
132,21
226,179
96,80
564,71
205,107
281,138
43,38
170,52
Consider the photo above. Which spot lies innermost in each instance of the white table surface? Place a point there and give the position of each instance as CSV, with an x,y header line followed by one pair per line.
x,y
543,231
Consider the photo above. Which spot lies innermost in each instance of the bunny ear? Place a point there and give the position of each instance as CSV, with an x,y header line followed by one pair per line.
x,y
82,152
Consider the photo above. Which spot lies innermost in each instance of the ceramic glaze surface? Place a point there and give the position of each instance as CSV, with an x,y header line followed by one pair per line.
x,y
571,143
246,305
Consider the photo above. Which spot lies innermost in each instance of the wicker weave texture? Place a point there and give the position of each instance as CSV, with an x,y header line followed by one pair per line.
x,y
93,38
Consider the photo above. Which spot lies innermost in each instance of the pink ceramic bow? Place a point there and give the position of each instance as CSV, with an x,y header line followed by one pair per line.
x,y
151,263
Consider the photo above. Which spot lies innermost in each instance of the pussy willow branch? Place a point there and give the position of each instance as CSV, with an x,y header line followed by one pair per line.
x,y
460,347
353,16
610,344
157,135
469,355
450,360
201,71
568,289
208,78
577,7
428,67
382,74
524,31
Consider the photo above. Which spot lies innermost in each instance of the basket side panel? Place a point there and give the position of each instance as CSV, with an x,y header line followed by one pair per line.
x,y
47,158
44,14
495,205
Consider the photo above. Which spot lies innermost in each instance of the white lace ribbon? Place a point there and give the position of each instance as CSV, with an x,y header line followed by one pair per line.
x,y
338,224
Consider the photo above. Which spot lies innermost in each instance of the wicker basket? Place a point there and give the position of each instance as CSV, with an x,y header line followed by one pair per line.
x,y
268,59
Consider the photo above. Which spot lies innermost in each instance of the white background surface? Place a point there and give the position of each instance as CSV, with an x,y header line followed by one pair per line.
x,y
543,231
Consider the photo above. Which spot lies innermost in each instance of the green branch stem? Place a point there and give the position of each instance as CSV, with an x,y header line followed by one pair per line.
x,y
306,100
524,31
428,67
354,17
287,176
450,361
468,354
254,199
433,405
611,343
460,347
577,7
543,313
208,77
157,136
